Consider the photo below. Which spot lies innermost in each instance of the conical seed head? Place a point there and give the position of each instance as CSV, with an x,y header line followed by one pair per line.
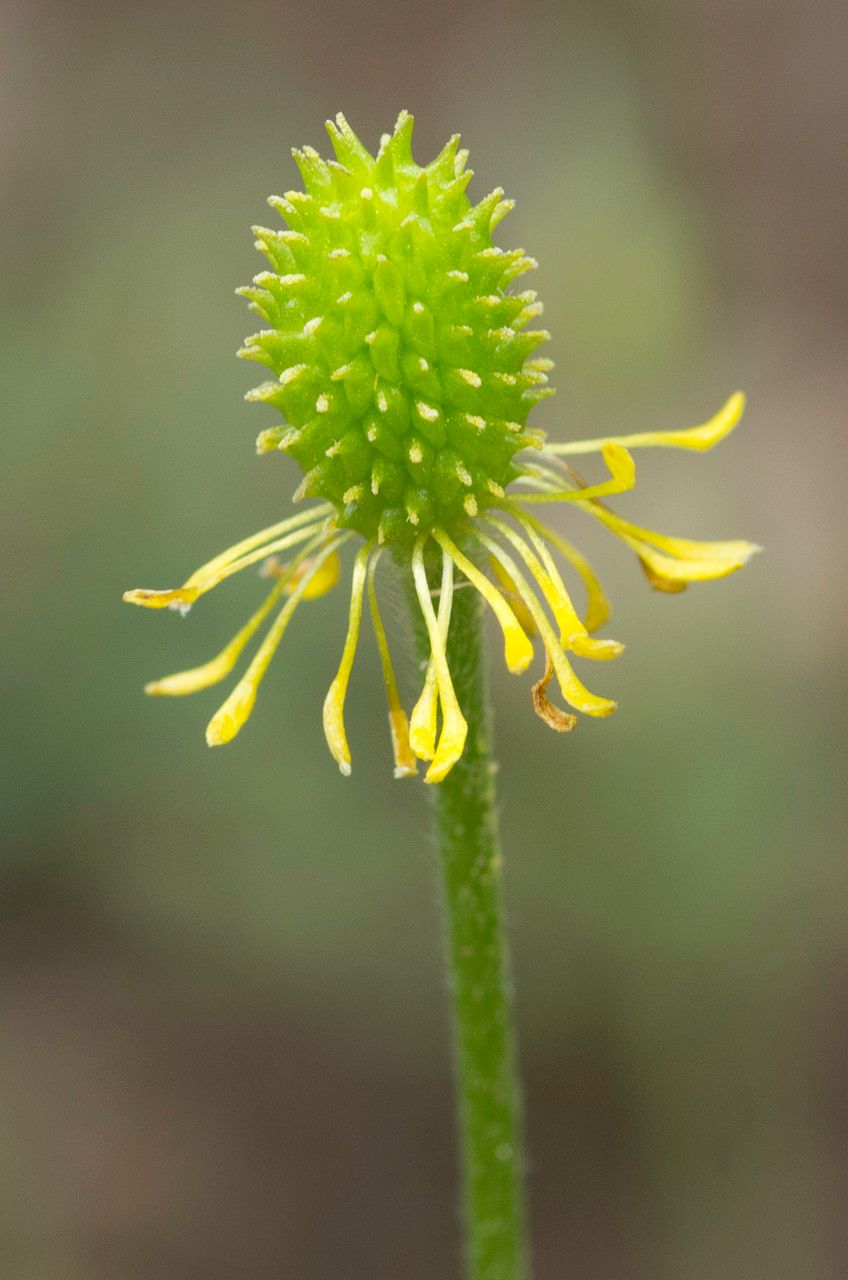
x,y
401,359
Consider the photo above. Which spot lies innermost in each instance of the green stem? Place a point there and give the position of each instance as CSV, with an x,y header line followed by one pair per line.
x,y
489,1106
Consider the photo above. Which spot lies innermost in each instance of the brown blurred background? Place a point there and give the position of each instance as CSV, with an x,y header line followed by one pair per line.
x,y
224,1051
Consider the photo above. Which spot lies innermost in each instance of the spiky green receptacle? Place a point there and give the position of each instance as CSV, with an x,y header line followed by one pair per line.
x,y
403,364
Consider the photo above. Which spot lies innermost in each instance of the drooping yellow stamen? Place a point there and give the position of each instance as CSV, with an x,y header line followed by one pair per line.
x,y
698,438
516,604
518,650
574,692
598,608
572,632
622,471
423,722
405,766
686,561
454,728
233,714
218,668
334,729
580,641
216,571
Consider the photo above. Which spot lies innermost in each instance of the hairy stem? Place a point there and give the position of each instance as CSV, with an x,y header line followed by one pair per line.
x,y
489,1107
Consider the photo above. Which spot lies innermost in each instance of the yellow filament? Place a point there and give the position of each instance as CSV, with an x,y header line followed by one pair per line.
x,y
574,692
598,608
334,729
454,728
202,585
405,766
580,641
264,535
572,633
698,438
518,650
622,471
213,573
233,714
423,722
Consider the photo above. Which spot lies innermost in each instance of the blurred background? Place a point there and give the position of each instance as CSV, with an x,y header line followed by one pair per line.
x,y
224,1050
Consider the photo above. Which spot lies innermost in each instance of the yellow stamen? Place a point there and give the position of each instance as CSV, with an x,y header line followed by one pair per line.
x,y
698,438
405,766
686,561
202,585
255,539
454,728
516,604
217,669
518,651
574,692
334,729
216,571
233,714
212,672
423,722
598,608
580,641
622,471
572,632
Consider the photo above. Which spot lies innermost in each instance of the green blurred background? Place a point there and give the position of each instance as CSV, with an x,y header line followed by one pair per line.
x,y
224,1050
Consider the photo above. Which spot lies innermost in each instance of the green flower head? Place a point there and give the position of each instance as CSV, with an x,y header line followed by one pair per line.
x,y
405,371
402,365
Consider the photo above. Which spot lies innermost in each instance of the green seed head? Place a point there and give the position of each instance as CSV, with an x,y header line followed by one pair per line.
x,y
403,364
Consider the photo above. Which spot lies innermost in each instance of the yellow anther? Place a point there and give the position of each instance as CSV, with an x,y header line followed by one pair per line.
x,y
424,719
170,597
518,650
405,766
598,609
218,668
454,728
334,729
622,471
574,633
574,692
232,715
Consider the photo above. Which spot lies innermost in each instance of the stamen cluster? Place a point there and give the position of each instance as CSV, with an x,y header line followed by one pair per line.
x,y
403,364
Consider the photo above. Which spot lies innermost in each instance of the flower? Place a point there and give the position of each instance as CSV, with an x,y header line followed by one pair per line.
x,y
405,371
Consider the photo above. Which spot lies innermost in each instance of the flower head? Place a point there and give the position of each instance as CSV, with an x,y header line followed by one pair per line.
x,y
404,369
